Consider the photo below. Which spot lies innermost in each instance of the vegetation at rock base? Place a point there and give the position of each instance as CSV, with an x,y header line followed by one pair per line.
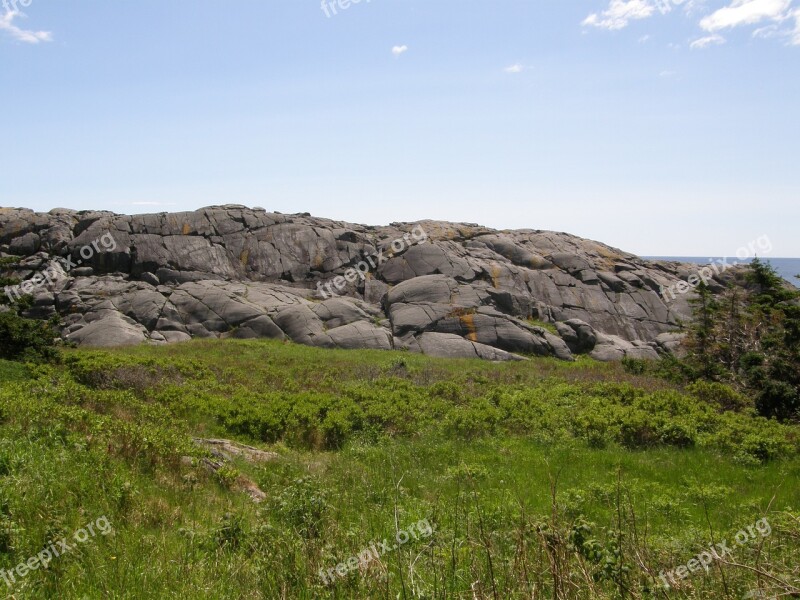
x,y
541,479
21,338
747,337
26,339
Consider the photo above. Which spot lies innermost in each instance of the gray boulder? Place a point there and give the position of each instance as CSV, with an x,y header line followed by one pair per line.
x,y
109,332
612,348
25,245
579,336
361,335
453,346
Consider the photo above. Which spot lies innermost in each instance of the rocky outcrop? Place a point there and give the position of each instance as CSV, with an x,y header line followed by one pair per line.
x,y
447,289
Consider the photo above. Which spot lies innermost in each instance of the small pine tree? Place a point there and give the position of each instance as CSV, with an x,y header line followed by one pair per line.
x,y
751,339
702,340
773,369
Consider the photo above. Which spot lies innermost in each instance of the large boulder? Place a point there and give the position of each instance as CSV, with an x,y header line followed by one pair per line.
x,y
579,336
612,348
453,346
110,331
25,245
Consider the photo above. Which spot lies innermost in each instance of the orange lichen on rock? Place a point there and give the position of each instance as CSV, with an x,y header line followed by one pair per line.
x,y
468,321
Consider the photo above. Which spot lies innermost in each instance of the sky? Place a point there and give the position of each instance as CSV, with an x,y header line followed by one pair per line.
x,y
662,127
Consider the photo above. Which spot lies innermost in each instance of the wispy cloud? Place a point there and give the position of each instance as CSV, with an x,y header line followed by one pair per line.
x,y
619,14
778,29
796,33
22,35
398,50
515,68
767,32
746,12
772,14
705,42
691,7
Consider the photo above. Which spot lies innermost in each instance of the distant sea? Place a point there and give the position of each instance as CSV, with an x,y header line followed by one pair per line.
x,y
786,267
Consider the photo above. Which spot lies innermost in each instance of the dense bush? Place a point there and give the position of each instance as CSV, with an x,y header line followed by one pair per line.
x,y
750,338
21,338
601,414
26,339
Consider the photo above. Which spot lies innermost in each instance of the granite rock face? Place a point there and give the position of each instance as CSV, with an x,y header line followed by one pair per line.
x,y
446,289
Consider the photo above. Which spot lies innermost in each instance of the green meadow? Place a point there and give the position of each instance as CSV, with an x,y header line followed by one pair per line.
x,y
539,479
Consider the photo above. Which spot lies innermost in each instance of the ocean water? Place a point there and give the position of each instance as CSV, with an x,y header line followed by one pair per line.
x,y
786,267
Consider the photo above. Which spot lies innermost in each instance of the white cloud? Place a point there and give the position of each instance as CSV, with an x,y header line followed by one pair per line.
x,y
692,7
746,12
619,13
773,15
778,30
705,42
23,35
398,50
796,33
517,68
770,31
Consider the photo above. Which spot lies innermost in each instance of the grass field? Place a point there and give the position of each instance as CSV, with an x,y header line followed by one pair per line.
x,y
540,479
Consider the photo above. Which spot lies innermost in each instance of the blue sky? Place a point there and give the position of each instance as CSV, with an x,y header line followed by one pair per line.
x,y
660,127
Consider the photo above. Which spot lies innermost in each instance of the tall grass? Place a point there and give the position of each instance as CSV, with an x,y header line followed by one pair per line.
x,y
540,479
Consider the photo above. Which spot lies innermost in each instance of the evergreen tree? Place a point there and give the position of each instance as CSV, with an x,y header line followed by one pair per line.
x,y
702,341
772,371
751,338
21,338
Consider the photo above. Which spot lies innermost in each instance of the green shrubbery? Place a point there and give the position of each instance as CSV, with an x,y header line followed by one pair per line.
x,y
26,339
708,415
21,338
559,478
750,337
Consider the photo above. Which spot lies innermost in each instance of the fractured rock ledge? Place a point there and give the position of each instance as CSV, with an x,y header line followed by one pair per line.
x,y
230,271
